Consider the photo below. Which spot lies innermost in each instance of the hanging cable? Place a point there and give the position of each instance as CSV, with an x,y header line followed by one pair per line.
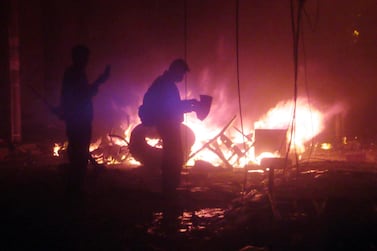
x,y
307,91
185,39
313,26
295,25
313,23
185,136
239,88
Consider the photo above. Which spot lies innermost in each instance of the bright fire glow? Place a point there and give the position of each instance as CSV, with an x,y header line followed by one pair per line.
x,y
93,146
263,155
308,123
226,146
153,142
57,148
326,146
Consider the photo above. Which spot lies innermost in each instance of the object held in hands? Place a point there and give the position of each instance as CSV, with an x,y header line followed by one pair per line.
x,y
203,107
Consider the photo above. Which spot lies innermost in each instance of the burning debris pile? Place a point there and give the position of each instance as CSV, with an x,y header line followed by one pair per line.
x,y
274,135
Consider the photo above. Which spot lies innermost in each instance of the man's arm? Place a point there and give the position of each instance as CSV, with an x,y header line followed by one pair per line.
x,y
189,105
103,77
93,88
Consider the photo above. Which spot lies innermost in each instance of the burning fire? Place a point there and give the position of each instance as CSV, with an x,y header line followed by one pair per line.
x,y
227,145
57,148
309,122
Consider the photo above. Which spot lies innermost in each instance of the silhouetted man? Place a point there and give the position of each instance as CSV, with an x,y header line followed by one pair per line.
x,y
163,108
77,112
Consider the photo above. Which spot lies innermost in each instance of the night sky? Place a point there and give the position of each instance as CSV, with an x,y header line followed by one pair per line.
x,y
337,55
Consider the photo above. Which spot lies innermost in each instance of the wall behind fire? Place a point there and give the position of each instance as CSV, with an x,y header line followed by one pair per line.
x,y
140,38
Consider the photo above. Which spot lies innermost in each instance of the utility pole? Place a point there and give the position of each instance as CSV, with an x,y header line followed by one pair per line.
x,y
14,72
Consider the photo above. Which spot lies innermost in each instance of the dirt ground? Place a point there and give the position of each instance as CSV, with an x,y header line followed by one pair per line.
x,y
119,210
328,206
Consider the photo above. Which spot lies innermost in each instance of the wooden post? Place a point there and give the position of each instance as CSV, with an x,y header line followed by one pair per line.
x,y
14,73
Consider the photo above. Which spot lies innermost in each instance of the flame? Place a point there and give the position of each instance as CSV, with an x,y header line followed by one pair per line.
x,y
57,148
326,146
94,146
308,123
154,142
229,147
259,158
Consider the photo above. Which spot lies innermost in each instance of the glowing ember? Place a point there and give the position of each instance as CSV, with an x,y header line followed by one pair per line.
x,y
326,146
154,142
95,145
57,148
265,155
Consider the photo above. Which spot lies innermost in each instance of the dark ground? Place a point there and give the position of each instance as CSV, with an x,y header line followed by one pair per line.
x,y
329,206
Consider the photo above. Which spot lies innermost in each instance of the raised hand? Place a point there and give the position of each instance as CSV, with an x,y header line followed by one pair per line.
x,y
104,76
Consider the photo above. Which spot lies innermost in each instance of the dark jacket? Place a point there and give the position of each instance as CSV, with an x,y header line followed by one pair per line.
x,y
76,96
162,102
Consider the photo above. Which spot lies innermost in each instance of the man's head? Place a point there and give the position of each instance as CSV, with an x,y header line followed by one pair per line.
x,y
178,68
80,55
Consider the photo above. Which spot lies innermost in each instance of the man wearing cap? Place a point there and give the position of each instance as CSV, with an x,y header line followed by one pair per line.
x,y
163,108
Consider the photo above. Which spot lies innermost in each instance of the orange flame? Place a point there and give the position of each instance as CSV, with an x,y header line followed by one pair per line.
x,y
217,146
308,123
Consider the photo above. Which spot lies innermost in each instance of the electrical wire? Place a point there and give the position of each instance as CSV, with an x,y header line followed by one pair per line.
x,y
295,25
239,86
185,37
307,89
313,27
298,33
